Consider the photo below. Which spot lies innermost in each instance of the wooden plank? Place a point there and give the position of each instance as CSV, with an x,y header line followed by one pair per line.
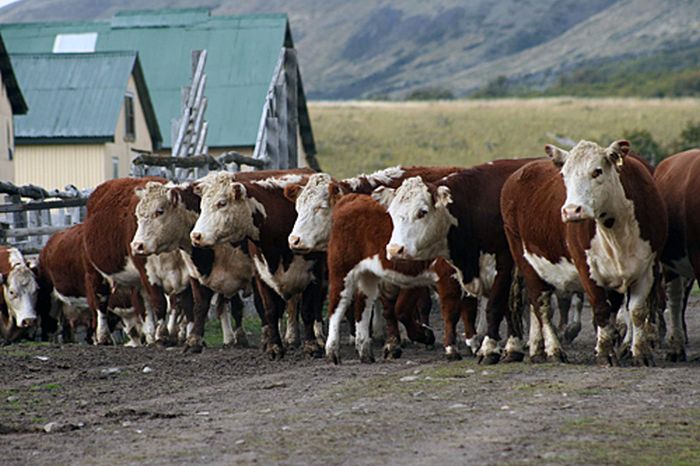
x,y
272,142
260,146
281,107
33,231
291,70
40,206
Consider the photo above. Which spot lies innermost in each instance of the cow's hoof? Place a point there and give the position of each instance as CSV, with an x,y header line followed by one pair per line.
x,y
677,356
430,347
104,340
607,360
623,352
558,356
313,349
489,359
240,339
451,354
513,356
571,332
333,357
275,351
644,360
392,351
538,358
194,348
367,358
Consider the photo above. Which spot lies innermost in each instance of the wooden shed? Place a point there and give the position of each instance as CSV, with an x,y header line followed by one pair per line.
x,y
88,114
256,101
12,103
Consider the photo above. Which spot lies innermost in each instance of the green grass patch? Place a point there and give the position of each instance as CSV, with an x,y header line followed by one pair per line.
x,y
670,438
213,336
47,387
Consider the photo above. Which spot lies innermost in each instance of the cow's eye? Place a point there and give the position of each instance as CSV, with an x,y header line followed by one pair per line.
x,y
421,213
597,172
159,212
221,203
11,293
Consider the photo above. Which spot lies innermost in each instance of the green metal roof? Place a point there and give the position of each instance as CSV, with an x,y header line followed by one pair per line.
x,y
77,95
17,102
242,54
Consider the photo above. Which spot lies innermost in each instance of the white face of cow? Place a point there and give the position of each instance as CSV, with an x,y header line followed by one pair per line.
x,y
226,213
163,221
313,224
20,291
420,217
592,178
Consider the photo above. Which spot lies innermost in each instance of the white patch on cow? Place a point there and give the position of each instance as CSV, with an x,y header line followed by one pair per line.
x,y
318,333
563,275
514,345
72,301
488,347
132,324
15,258
279,182
535,340
20,290
231,272
378,178
149,326
128,277
226,325
450,350
487,271
312,226
169,271
103,335
618,256
363,340
286,282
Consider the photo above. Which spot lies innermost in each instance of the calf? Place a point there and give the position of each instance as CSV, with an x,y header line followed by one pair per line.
x,y
675,178
19,292
359,232
589,219
61,274
258,212
458,218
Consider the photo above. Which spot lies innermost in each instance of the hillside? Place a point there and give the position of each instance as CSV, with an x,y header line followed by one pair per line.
x,y
371,48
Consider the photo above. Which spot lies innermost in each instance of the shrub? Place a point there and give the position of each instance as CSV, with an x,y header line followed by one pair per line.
x,y
644,144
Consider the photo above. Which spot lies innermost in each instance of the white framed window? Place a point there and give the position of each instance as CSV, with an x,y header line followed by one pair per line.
x,y
115,167
75,43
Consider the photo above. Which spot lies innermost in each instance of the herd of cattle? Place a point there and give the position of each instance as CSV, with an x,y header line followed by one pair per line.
x,y
153,257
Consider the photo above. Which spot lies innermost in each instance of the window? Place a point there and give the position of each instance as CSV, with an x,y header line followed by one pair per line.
x,y
75,43
129,126
115,167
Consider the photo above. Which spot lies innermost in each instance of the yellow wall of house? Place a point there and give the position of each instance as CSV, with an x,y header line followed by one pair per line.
x,y
7,171
83,165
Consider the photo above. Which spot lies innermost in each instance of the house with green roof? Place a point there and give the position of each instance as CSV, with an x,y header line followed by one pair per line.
x,y
12,103
256,102
89,113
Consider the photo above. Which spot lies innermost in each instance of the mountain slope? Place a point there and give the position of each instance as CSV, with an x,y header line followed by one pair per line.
x,y
391,47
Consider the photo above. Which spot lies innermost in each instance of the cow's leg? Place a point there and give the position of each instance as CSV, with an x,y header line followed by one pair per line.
x,y
311,314
392,343
411,309
688,290
172,318
573,328
515,346
274,307
363,338
674,300
201,296
604,314
638,304
94,287
564,305
292,336
490,351
378,325
223,313
341,294
240,340
452,307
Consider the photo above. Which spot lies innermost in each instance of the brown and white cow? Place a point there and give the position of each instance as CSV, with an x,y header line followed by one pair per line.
x,y
676,178
108,230
61,275
257,211
587,219
358,271
19,294
458,219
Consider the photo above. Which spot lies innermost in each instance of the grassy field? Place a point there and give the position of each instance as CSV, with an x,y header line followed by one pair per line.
x,y
356,137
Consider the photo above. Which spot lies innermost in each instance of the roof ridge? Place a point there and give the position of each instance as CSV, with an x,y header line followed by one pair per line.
x,y
66,55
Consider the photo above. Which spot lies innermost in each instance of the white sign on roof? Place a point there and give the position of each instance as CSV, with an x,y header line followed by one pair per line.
x,y
75,43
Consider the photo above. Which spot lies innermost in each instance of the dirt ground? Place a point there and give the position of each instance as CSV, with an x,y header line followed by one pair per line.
x,y
76,404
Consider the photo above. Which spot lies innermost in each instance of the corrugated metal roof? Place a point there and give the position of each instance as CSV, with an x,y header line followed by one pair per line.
x,y
76,95
242,54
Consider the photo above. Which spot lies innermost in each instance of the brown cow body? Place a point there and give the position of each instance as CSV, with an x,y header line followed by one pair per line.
x,y
615,228
677,177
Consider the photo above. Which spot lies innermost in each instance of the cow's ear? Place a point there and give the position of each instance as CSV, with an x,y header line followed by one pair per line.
x,y
556,155
335,192
140,192
197,189
443,196
617,151
239,191
175,197
384,195
291,191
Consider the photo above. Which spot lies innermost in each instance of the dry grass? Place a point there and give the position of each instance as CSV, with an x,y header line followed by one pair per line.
x,y
354,137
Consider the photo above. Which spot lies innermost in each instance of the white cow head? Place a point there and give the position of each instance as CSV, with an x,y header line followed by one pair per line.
x,y
20,291
227,212
421,219
592,178
313,205
164,222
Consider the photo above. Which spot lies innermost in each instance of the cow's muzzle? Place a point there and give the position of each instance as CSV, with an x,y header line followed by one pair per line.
x,y
574,214
395,251
296,244
28,322
138,248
